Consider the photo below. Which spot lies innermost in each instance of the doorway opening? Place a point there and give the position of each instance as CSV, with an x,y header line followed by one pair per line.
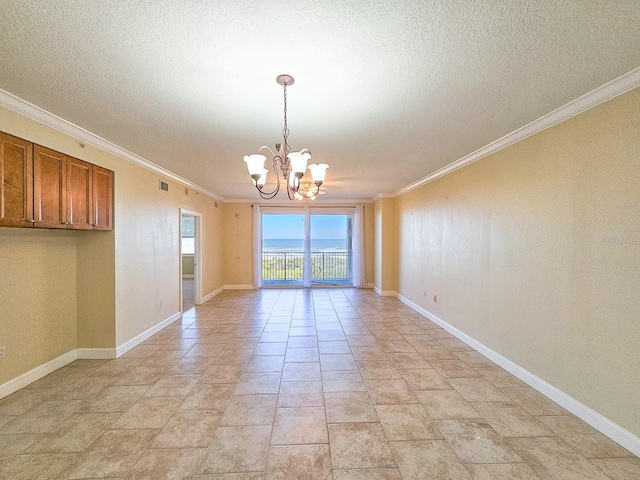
x,y
190,259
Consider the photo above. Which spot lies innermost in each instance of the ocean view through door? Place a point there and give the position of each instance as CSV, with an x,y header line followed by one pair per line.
x,y
329,246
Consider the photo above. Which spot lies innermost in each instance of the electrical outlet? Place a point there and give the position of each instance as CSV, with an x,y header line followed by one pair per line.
x,y
424,294
3,351
435,298
160,303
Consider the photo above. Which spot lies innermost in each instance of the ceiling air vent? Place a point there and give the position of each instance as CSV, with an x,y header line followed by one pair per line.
x,y
164,186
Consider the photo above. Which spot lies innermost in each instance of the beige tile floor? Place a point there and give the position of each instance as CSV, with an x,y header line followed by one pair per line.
x,y
297,384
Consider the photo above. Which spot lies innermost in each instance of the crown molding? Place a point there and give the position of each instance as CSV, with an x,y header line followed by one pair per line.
x,y
18,105
380,196
242,200
618,86
299,203
615,87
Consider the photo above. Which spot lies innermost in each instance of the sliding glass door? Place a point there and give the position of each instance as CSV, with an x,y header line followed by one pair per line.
x,y
292,241
283,249
331,248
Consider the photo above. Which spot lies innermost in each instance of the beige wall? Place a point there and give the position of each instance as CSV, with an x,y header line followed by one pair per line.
x,y
238,244
386,245
213,253
369,243
535,252
37,298
95,295
147,230
98,289
377,253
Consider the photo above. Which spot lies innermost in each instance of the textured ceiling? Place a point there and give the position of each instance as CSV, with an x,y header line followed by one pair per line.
x,y
386,91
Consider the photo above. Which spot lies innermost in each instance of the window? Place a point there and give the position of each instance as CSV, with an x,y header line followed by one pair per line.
x,y
188,235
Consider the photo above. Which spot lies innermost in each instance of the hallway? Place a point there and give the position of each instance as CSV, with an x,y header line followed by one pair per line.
x,y
297,384
188,293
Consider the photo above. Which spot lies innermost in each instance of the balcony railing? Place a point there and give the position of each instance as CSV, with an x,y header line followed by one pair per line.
x,y
288,267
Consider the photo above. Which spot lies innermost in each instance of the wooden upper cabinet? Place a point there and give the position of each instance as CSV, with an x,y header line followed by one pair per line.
x,y
102,198
49,188
42,188
16,182
79,214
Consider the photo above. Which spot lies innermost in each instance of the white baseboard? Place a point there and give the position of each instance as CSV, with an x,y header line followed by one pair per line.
x,y
370,285
137,340
219,290
612,430
79,353
96,353
385,293
37,373
212,294
239,287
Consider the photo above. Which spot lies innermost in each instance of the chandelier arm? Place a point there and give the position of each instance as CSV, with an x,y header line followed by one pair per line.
x,y
272,152
275,161
293,189
274,192
306,194
268,196
290,192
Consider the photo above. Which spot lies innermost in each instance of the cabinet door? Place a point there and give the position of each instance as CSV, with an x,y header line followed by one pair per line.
x,y
79,194
102,198
16,182
49,188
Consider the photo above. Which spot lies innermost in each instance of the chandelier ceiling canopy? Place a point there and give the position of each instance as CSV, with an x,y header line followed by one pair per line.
x,y
291,166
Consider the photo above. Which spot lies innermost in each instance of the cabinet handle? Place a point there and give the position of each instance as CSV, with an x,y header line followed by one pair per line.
x,y
67,223
31,220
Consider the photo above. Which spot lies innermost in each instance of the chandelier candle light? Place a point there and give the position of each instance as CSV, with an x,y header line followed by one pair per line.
x,y
292,165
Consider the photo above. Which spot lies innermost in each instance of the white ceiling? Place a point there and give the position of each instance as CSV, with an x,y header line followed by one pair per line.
x,y
386,91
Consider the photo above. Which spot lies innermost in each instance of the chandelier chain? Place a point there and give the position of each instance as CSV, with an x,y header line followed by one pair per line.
x,y
285,130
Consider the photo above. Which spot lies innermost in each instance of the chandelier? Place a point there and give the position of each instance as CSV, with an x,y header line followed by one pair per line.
x,y
290,165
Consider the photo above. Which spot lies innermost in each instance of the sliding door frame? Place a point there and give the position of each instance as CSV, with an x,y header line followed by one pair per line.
x,y
307,211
